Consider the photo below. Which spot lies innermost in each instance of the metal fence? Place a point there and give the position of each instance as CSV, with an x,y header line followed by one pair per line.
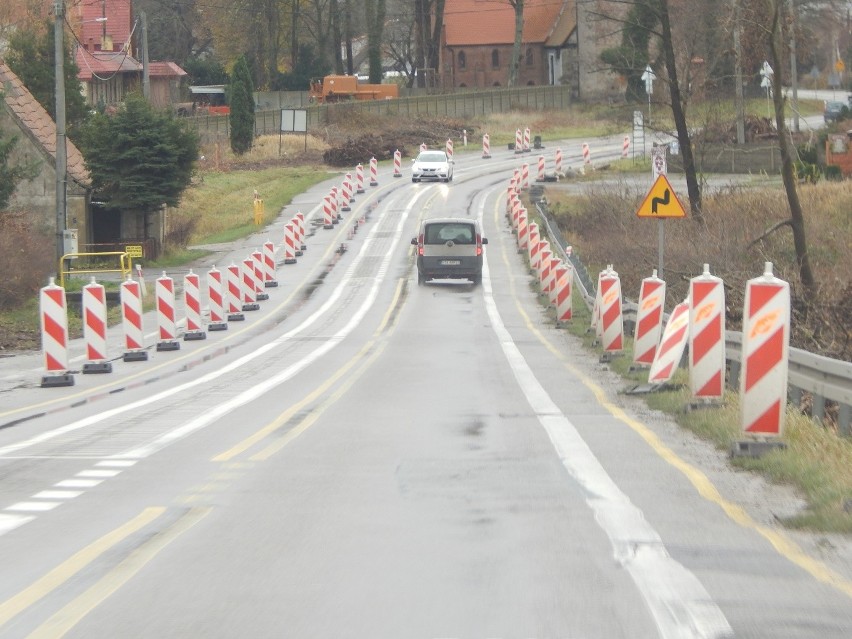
x,y
469,104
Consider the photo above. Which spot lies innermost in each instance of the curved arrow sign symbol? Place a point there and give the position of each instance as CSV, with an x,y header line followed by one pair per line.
x,y
660,200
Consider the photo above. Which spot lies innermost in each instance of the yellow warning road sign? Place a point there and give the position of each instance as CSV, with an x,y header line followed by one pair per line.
x,y
661,201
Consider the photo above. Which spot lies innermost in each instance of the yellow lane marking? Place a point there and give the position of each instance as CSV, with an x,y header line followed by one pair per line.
x,y
69,616
59,575
311,397
782,544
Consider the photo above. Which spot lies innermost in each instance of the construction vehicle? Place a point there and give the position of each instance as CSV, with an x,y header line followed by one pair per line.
x,y
343,88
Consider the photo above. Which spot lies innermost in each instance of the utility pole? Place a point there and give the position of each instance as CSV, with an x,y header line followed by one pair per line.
x,y
61,153
738,75
146,77
794,73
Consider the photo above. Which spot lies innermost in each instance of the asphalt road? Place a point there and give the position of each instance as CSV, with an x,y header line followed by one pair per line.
x,y
365,457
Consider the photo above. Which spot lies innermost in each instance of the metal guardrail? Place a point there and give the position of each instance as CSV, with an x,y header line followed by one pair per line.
x,y
826,379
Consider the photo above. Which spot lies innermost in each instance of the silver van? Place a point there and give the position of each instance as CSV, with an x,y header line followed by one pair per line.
x,y
449,248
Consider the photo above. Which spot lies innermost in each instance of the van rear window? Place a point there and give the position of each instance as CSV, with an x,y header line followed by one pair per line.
x,y
443,233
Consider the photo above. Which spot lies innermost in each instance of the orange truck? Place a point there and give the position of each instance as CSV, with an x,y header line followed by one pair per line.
x,y
343,88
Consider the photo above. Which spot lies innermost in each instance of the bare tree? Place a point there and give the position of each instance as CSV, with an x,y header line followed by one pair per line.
x,y
429,20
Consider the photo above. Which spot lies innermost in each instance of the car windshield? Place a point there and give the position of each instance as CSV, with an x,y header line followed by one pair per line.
x,y
451,231
431,157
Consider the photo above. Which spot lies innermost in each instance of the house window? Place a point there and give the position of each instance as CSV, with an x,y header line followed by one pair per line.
x,y
529,57
462,60
495,59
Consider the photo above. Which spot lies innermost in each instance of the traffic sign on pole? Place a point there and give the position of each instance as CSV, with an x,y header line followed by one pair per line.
x,y
661,201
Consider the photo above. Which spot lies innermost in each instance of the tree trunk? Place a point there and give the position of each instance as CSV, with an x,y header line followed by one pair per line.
x,y
375,11
679,115
788,173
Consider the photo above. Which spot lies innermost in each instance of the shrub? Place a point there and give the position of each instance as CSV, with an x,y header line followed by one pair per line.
x,y
26,259
832,172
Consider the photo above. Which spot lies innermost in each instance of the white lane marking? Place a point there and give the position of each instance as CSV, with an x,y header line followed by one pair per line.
x,y
116,463
680,605
223,409
10,522
58,494
330,342
78,483
98,473
32,506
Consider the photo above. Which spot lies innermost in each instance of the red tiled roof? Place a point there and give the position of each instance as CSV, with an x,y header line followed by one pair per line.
x,y
118,25
483,22
33,118
104,64
165,70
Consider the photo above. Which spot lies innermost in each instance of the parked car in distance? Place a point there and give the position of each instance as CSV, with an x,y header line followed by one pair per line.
x,y
834,111
449,248
432,165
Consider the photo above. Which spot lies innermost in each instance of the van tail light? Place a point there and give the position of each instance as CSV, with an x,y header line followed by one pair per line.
x,y
420,245
478,245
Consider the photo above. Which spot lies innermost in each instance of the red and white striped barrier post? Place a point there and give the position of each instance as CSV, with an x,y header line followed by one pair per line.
x,y
765,354
596,310
397,163
299,218
525,176
449,148
289,243
519,141
517,207
269,280
540,176
534,246
423,147
545,254
348,178
131,321
346,195
166,323
526,139
192,307
216,300
550,286
649,319
248,290
564,291
374,172
611,312
54,335
327,213
234,293
523,230
334,198
558,162
707,336
671,347
625,147
359,177
257,261
94,328
486,146
587,154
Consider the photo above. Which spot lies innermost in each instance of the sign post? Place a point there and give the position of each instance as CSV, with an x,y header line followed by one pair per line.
x,y
767,73
648,77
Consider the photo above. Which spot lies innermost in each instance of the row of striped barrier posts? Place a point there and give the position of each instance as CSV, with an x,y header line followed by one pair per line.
x,y
699,323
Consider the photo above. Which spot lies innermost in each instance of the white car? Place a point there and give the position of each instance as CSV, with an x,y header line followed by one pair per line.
x,y
432,165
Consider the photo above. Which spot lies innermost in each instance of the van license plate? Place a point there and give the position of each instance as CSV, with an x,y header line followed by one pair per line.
x,y
450,262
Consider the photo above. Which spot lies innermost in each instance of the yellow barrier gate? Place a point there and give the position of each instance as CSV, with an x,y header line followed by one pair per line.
x,y
125,265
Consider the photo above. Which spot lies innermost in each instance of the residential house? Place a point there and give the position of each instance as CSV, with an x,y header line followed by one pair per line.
x,y
561,43
22,116
107,34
